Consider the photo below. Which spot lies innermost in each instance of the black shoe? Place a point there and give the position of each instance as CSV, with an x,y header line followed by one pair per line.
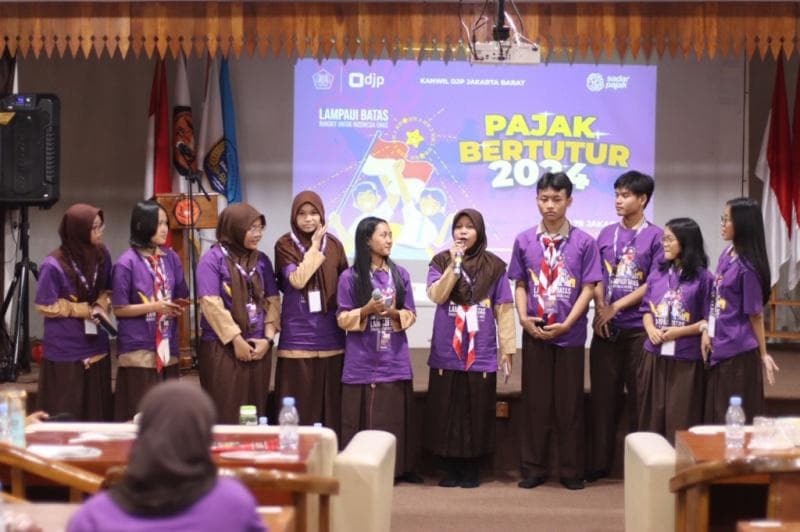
x,y
449,482
573,483
470,473
469,484
596,474
410,477
531,482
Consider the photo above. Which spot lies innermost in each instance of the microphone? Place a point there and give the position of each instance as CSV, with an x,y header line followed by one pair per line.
x,y
377,295
457,263
186,151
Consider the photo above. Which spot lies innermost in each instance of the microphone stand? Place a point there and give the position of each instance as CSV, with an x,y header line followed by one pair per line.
x,y
194,176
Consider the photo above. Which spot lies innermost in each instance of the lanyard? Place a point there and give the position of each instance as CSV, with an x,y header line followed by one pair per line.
x,y
82,277
247,276
674,292
303,249
618,253
721,271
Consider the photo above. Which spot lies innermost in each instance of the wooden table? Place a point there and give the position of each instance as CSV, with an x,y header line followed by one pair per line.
x,y
731,500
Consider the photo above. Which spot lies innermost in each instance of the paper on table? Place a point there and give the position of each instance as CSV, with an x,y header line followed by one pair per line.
x,y
65,452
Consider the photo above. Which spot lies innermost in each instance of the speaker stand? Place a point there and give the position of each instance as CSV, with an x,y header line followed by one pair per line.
x,y
20,354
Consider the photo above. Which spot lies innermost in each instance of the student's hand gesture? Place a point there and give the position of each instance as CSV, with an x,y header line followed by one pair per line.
x,y
242,350
374,306
770,368
316,238
531,325
262,346
656,336
553,331
705,345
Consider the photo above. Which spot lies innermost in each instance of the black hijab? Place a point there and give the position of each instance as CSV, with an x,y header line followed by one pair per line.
x,y
170,465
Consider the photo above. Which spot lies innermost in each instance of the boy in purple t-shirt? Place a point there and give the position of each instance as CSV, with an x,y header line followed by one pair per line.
x,y
630,251
555,266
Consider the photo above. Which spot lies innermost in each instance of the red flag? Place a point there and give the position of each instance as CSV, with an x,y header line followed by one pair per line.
x,y
794,250
158,178
774,168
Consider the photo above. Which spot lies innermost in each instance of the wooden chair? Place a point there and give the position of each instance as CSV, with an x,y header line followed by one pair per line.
x,y
21,461
299,485
692,487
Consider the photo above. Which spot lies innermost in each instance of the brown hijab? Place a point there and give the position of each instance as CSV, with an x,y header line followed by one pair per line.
x,y
75,231
326,278
482,267
170,465
232,228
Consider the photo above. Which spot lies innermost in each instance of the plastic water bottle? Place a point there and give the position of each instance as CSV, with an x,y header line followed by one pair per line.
x,y
16,418
734,427
263,421
5,432
289,419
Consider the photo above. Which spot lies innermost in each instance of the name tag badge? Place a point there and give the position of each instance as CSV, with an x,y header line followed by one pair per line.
x,y
314,301
712,326
668,348
252,313
90,327
384,338
472,319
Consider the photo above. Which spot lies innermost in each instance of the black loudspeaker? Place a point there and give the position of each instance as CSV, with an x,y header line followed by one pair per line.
x,y
29,149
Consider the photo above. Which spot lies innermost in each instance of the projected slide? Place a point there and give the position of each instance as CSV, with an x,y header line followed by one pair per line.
x,y
415,143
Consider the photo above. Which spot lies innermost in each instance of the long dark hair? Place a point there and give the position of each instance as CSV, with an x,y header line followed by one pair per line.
x,y
363,259
144,223
693,251
749,241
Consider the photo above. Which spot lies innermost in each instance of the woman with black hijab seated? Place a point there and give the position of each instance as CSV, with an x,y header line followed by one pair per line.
x,y
171,481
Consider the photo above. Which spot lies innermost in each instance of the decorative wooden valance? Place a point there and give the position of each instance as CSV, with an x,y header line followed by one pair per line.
x,y
400,29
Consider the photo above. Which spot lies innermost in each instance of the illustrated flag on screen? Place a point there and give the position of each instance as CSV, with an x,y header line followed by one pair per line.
x,y
158,178
217,147
184,152
387,159
774,168
794,252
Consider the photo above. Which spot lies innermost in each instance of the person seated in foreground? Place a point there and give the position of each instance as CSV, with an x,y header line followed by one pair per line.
x,y
171,480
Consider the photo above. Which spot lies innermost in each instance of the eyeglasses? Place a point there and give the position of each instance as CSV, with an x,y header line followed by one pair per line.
x,y
256,230
724,219
668,239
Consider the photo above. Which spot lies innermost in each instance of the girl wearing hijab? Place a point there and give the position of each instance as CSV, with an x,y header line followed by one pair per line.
x,y
171,480
74,285
474,309
146,279
735,335
241,314
675,306
375,307
309,262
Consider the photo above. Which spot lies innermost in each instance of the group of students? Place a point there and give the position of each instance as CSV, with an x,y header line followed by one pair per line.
x,y
661,318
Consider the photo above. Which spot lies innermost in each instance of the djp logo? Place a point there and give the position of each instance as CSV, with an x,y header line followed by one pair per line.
x,y
359,80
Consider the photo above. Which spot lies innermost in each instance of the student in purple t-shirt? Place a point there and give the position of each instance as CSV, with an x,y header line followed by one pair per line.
x,y
735,336
241,314
74,286
147,280
555,267
171,481
375,307
630,251
675,307
474,309
309,261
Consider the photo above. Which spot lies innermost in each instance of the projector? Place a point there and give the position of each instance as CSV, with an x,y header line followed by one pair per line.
x,y
506,53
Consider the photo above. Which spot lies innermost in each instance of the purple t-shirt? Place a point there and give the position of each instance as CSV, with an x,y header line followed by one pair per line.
x,y
675,303
65,339
579,266
228,506
739,296
214,279
443,355
132,282
379,353
304,330
629,257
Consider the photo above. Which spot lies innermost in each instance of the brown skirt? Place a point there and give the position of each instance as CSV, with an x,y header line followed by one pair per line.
x,y
70,388
232,383
741,375
384,406
460,413
671,394
133,383
316,385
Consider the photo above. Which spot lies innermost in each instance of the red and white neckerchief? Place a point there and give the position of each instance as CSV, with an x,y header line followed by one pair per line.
x,y
160,291
465,314
548,274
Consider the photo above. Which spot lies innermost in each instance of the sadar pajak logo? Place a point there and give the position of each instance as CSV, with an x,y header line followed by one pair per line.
x,y
596,82
323,80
